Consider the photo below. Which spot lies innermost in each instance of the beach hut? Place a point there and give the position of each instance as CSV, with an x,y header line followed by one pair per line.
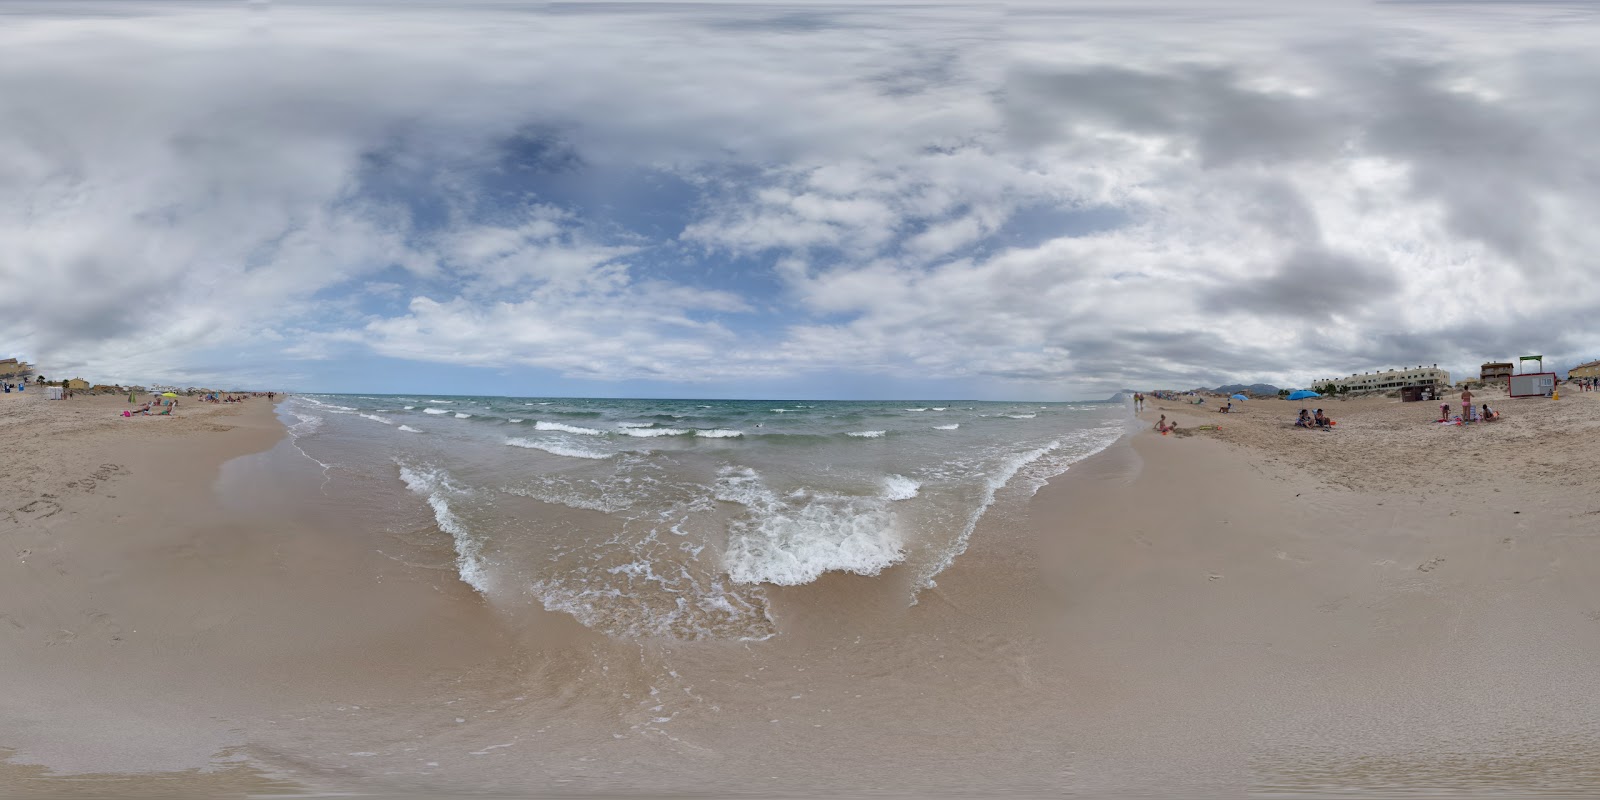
x,y
53,392
1532,384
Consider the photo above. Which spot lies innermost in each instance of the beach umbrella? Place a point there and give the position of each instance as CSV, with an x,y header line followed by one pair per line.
x,y
169,394
1302,394
1240,397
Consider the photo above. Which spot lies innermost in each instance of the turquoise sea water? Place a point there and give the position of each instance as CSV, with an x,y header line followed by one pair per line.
x,y
674,517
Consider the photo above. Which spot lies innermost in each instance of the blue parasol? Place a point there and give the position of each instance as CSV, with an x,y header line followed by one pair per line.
x,y
1303,394
1240,397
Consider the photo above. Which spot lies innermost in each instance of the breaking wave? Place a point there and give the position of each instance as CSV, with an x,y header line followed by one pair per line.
x,y
434,485
792,544
558,448
541,425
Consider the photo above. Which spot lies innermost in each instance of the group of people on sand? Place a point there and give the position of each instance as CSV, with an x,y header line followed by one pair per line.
x,y
1164,426
1469,412
154,408
1586,384
1317,420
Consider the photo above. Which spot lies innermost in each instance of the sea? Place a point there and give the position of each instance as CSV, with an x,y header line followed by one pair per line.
x,y
678,519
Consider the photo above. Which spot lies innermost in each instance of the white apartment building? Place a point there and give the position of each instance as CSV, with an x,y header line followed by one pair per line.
x,y
1390,379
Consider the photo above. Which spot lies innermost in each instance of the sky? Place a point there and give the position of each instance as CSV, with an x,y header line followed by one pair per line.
x,y
938,200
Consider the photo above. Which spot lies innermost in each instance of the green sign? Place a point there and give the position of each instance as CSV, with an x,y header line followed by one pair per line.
x,y
1533,358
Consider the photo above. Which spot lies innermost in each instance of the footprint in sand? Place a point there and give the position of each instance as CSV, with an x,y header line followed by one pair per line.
x,y
39,509
1430,565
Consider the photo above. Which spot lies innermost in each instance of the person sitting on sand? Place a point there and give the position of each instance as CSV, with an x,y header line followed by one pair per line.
x,y
1305,419
1489,414
1226,409
1161,424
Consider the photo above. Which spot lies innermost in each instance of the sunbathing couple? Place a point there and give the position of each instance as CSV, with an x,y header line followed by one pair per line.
x,y
149,409
1308,420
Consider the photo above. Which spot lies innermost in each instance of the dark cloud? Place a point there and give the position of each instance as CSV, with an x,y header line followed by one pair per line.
x,y
1207,106
1312,284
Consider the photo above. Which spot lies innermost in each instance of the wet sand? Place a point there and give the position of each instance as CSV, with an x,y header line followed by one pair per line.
x,y
1257,608
158,611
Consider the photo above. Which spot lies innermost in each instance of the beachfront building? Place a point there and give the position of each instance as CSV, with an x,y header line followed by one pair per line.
x,y
1390,379
13,368
77,384
1588,370
1496,371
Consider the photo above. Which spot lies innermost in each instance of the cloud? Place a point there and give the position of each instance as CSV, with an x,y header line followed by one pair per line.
x,y
1050,203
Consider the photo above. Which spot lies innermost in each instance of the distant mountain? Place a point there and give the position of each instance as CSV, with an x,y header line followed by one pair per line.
x,y
1254,388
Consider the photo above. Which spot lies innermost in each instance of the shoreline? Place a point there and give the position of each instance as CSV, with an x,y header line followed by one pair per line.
x,y
176,590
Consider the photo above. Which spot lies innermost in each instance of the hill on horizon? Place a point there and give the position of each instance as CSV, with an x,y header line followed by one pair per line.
x,y
1254,388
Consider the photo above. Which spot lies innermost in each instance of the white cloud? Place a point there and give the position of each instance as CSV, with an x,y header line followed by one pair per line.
x,y
910,193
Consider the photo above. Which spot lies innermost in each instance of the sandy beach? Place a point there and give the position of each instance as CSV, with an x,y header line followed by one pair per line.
x,y
1388,607
1391,606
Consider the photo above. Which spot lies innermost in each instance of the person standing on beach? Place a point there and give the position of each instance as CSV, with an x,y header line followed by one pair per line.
x,y
1466,405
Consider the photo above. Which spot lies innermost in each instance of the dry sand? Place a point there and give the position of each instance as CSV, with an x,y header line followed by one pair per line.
x,y
1388,607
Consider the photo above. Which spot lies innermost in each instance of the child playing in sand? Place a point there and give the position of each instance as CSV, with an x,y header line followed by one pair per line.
x,y
1444,412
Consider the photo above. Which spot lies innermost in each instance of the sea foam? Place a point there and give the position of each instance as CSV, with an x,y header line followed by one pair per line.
x,y
899,487
434,484
557,448
792,544
541,425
